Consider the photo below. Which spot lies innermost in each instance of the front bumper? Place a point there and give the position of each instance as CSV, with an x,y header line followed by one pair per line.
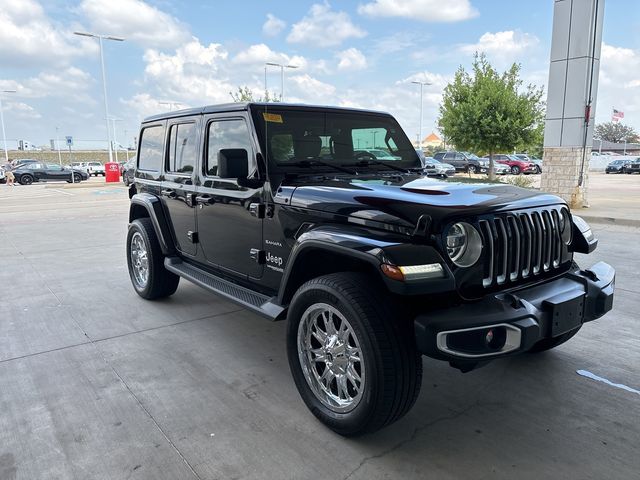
x,y
517,319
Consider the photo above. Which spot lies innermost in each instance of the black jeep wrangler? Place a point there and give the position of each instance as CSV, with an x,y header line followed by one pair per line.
x,y
371,263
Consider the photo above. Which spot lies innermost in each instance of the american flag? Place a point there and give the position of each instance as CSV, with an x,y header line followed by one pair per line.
x,y
617,115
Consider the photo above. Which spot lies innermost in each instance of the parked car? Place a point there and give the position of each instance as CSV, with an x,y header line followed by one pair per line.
x,y
439,169
617,166
81,166
128,170
516,165
632,166
538,162
463,161
95,169
378,153
41,172
370,268
2,175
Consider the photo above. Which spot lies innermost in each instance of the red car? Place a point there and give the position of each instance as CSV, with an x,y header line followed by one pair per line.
x,y
516,164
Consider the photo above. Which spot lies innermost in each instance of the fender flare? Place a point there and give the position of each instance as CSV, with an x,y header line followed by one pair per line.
x,y
340,242
154,211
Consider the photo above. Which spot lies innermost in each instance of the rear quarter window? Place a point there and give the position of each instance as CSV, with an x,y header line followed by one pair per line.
x,y
151,148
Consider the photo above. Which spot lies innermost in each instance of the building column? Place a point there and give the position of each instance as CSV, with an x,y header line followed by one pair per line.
x,y
571,98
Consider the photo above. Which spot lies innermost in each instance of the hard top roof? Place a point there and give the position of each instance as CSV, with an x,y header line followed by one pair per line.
x,y
240,106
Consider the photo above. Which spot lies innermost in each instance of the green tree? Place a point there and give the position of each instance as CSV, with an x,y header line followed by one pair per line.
x,y
615,132
485,111
244,94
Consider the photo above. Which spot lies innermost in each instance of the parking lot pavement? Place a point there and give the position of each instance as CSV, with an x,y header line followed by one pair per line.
x,y
98,383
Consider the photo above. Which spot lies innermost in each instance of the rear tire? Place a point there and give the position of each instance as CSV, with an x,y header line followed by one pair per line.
x,y
146,263
549,343
388,365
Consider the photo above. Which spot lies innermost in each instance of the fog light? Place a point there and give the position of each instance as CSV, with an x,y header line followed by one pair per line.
x,y
495,338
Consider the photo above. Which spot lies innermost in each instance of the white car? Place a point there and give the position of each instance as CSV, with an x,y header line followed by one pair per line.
x,y
2,176
95,169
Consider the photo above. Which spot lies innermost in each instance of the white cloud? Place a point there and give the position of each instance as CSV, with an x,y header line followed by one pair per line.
x,y
425,10
323,27
135,20
507,44
29,38
22,110
351,59
69,83
273,25
260,53
619,84
192,74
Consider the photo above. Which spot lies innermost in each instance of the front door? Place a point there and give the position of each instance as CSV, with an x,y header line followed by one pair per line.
x,y
229,223
178,187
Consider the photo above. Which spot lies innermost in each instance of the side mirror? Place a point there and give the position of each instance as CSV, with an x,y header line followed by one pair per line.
x,y
233,163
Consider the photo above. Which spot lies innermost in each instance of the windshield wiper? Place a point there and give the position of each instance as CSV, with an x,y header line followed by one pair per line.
x,y
313,163
366,163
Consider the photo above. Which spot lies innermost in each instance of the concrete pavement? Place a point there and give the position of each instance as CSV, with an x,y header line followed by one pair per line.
x,y
98,383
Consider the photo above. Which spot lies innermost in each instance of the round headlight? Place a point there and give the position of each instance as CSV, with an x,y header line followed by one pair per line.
x,y
464,244
565,226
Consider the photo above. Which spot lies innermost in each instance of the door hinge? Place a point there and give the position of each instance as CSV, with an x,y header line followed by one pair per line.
x,y
258,256
257,210
193,236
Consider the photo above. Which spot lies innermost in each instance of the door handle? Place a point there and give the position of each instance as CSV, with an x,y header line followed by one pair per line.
x,y
205,200
168,193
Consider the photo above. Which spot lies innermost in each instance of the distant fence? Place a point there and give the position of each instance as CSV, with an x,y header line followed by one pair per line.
x,y
48,156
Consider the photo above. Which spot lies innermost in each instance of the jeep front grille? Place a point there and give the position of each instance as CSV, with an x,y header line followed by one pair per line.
x,y
520,245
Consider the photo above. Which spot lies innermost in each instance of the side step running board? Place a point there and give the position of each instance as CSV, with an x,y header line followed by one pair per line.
x,y
245,297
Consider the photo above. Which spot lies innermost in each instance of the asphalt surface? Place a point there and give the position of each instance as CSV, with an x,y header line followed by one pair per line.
x,y
96,383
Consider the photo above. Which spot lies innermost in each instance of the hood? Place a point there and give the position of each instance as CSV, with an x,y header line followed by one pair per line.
x,y
402,199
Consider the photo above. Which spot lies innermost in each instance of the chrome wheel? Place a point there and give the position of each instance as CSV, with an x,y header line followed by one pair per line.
x,y
331,358
139,260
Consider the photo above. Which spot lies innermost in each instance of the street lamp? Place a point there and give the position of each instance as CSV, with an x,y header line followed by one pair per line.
x,y
282,67
4,135
58,146
422,84
104,78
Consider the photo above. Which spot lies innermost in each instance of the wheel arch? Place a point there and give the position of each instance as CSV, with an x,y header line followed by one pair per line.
x,y
312,257
144,205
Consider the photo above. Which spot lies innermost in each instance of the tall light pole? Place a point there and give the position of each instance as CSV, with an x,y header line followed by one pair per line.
x,y
422,84
282,67
4,135
58,147
115,142
104,78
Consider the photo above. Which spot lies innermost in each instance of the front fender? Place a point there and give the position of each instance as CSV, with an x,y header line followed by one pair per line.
x,y
344,247
148,205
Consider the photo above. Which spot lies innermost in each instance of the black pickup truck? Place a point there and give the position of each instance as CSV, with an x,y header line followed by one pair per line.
x,y
371,263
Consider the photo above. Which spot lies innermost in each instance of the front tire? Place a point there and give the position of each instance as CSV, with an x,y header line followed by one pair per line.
x,y
146,263
352,356
515,170
472,169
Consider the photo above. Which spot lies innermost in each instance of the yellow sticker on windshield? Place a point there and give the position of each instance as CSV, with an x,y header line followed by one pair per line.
x,y
272,117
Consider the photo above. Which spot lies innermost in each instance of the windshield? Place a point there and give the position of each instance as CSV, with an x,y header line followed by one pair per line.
x,y
289,135
472,156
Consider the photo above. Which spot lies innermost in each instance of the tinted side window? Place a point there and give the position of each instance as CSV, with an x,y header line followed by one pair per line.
x,y
182,148
223,134
439,156
151,147
460,157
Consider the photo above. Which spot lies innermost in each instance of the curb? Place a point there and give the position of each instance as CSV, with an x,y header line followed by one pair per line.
x,y
627,222
88,185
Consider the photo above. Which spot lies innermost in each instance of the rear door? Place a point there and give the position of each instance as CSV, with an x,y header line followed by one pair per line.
x,y
179,183
56,172
229,213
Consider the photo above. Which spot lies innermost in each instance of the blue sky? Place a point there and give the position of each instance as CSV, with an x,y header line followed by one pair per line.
x,y
360,53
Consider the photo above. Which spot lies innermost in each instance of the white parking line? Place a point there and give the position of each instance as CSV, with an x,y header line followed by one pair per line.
x,y
26,194
593,376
